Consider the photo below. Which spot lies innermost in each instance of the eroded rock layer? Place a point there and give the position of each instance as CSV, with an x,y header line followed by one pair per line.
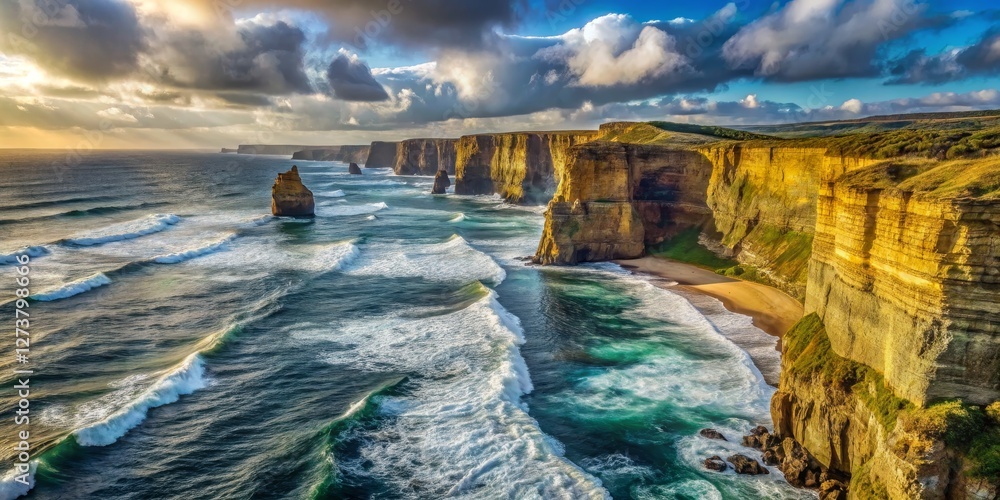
x,y
907,283
381,154
520,166
424,156
289,197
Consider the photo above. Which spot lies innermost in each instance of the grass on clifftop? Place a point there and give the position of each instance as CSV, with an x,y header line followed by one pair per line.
x,y
948,179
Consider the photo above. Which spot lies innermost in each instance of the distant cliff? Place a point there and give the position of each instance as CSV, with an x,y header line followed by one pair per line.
x,y
381,154
273,149
346,154
520,166
424,156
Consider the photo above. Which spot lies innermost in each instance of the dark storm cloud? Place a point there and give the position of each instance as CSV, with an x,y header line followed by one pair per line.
x,y
88,40
267,59
423,24
979,59
351,80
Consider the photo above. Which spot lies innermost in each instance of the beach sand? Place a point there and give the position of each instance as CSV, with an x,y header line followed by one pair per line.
x,y
772,310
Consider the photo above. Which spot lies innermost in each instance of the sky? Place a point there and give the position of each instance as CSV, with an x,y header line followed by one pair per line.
x,y
94,74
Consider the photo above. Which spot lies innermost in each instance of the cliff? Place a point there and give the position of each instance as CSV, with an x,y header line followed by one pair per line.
x,y
274,149
424,156
520,166
381,155
615,199
229,150
906,277
346,154
289,197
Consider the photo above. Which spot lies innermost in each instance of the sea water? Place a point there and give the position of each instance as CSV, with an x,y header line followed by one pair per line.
x,y
186,344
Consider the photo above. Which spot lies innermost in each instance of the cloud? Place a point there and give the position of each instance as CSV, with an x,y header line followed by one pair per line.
x,y
88,40
613,50
916,67
817,39
352,80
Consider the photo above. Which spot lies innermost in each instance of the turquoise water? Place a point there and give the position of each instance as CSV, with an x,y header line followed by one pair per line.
x,y
188,345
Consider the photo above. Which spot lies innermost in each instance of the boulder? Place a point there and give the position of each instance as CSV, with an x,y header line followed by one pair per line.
x,y
743,464
354,169
289,197
712,434
715,463
441,182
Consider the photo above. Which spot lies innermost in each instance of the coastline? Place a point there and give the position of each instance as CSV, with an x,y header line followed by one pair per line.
x,y
772,310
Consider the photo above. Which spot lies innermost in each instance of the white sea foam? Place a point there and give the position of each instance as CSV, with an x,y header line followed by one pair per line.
x,y
126,230
331,257
429,261
11,488
173,258
335,194
185,379
462,429
73,288
257,221
344,210
32,252
458,218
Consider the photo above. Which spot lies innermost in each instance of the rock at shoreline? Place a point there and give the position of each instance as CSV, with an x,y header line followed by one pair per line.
x,y
441,182
712,434
715,463
289,197
354,169
743,464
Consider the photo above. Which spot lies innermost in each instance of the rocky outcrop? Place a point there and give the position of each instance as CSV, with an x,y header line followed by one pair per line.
x,y
425,156
381,154
289,197
441,182
354,169
616,198
845,416
523,167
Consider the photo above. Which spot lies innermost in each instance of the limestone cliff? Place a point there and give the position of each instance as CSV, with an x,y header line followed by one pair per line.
x,y
289,197
424,156
381,155
616,198
907,281
346,154
441,183
520,166
763,201
274,149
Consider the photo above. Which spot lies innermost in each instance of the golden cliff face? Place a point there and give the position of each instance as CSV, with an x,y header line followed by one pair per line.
x,y
289,197
616,198
907,283
763,200
424,156
520,166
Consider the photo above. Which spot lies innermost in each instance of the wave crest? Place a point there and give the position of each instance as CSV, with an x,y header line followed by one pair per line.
x,y
126,230
73,288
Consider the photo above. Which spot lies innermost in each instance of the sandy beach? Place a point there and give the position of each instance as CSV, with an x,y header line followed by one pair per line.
x,y
772,310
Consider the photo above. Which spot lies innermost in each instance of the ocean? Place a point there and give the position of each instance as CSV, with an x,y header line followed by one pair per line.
x,y
187,344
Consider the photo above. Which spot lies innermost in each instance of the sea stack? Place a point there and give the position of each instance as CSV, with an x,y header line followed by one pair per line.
x,y
441,182
354,169
289,197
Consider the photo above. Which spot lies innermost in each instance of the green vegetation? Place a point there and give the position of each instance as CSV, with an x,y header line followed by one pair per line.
x,y
747,273
709,130
966,428
808,348
864,486
684,247
971,120
946,179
